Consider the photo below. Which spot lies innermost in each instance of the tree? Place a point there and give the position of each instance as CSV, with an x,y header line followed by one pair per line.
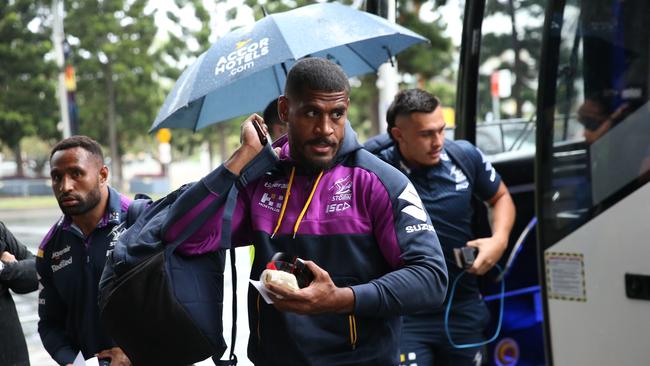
x,y
424,61
27,94
524,40
116,93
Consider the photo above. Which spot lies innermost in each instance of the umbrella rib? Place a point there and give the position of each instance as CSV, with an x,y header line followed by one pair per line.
x,y
361,57
277,80
196,125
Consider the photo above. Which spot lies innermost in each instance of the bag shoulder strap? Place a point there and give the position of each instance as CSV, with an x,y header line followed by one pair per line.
x,y
229,209
232,358
136,208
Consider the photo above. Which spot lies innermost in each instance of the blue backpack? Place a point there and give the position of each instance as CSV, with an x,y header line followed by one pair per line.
x,y
160,307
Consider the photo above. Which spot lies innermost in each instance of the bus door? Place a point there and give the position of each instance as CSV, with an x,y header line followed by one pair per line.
x,y
495,109
592,171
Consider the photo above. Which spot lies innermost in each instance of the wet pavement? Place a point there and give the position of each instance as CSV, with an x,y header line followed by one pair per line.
x,y
31,225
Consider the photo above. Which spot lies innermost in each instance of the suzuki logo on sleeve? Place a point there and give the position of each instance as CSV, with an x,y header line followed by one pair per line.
x,y
415,208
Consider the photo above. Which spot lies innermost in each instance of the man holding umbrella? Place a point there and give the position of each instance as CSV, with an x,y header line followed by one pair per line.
x,y
357,222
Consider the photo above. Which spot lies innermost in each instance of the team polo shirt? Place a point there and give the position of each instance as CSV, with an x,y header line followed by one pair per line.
x,y
70,266
447,196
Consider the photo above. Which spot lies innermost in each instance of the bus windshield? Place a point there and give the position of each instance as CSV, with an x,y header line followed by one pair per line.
x,y
600,129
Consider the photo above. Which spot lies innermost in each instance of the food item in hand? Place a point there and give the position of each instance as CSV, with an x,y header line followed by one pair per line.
x,y
280,278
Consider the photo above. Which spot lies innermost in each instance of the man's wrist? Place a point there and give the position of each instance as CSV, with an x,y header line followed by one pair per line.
x,y
501,239
344,300
238,160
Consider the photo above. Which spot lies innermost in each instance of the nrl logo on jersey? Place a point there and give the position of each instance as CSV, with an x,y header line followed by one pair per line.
x,y
271,201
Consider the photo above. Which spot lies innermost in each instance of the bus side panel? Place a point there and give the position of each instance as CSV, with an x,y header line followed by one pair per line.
x,y
604,327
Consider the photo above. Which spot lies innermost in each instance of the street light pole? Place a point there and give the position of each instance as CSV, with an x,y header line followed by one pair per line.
x,y
387,77
57,40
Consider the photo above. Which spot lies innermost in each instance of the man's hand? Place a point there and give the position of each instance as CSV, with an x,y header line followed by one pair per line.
x,y
118,358
250,144
321,296
7,257
490,251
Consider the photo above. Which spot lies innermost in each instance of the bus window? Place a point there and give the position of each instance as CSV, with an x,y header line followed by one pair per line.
x,y
510,46
601,132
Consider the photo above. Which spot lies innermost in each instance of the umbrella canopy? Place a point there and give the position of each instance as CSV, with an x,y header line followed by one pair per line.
x,y
246,69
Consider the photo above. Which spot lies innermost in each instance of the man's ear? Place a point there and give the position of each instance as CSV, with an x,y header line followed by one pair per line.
x,y
396,133
283,108
103,175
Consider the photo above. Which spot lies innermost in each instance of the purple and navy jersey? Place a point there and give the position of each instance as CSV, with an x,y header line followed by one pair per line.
x,y
364,224
447,193
70,266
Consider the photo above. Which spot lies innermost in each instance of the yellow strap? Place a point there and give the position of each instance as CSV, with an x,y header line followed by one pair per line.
x,y
304,209
284,203
353,330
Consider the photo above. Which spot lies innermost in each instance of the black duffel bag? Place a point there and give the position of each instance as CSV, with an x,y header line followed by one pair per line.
x,y
160,307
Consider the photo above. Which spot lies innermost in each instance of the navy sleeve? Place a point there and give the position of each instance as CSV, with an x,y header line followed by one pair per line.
x,y
410,245
213,187
19,276
52,312
486,180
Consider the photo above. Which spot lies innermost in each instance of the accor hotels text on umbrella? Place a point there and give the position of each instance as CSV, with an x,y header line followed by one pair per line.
x,y
243,57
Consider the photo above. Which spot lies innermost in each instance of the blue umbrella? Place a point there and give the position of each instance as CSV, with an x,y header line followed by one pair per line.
x,y
246,69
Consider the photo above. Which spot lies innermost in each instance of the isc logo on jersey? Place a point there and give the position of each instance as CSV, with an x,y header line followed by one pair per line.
x,y
337,207
415,209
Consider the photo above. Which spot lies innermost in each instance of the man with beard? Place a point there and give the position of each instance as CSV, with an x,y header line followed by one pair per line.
x,y
71,258
356,221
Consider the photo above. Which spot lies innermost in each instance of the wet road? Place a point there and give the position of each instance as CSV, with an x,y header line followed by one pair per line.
x,y
31,225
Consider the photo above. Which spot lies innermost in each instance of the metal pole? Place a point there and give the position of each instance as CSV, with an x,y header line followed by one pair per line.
x,y
57,40
387,77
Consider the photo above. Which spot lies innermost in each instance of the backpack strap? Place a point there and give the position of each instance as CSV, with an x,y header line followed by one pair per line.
x,y
378,143
480,223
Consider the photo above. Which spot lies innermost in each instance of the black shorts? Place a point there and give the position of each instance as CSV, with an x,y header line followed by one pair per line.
x,y
424,341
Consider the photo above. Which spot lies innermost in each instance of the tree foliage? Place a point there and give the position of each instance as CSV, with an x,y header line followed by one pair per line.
x,y
426,60
125,66
27,94
516,50
110,43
